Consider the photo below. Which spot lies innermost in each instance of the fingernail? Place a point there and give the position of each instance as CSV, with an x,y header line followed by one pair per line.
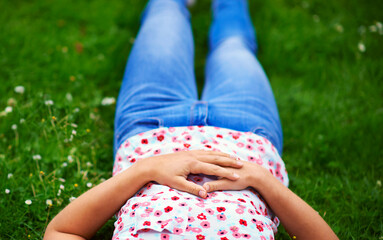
x,y
235,175
239,163
207,187
202,193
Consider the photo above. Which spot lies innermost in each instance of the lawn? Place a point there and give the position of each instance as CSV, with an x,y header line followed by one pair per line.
x,y
324,61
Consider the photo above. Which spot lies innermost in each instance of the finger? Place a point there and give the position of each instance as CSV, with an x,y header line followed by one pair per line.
x,y
190,187
212,169
222,184
225,161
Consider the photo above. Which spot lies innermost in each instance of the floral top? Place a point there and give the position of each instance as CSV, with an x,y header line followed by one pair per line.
x,y
160,212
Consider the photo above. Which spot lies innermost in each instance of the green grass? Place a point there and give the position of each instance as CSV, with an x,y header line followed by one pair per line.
x,y
329,93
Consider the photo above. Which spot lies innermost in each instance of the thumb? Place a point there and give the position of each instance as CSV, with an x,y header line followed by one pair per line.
x,y
190,187
221,184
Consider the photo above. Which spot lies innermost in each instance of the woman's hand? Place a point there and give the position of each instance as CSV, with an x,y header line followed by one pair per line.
x,y
251,175
299,219
173,169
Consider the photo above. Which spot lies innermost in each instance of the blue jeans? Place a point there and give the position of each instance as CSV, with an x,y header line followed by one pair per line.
x,y
159,89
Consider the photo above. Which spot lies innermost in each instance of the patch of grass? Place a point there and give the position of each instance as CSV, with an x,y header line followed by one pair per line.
x,y
328,91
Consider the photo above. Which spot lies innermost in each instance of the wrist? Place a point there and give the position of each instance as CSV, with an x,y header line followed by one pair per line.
x,y
260,180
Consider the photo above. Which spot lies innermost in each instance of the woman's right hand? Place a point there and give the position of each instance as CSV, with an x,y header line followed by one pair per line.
x,y
173,169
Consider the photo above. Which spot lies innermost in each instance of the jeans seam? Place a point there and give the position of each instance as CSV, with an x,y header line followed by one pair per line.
x,y
192,108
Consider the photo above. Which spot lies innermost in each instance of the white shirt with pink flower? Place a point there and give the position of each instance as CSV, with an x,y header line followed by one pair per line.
x,y
160,212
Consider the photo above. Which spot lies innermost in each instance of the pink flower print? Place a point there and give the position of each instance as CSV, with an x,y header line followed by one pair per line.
x,y
209,211
157,213
177,231
221,232
251,159
204,141
188,137
182,204
221,217
115,237
196,230
240,144
249,147
145,204
121,226
190,127
266,140
201,204
174,139
213,194
149,210
263,238
216,201
259,142
171,129
188,228
176,149
127,144
234,229
157,151
118,157
205,224
138,150
245,235
259,160
236,235
131,229
191,219
179,219
144,215
132,214
250,140
251,211
165,236
239,210
228,194
262,149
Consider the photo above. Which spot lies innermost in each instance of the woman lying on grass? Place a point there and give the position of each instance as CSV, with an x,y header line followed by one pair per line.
x,y
187,168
